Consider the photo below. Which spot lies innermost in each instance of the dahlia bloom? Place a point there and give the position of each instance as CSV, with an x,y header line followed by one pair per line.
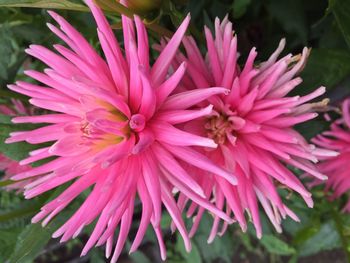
x,y
115,131
337,168
8,166
253,127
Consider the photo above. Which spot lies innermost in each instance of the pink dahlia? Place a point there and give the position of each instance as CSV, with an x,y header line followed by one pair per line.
x,y
337,168
253,127
8,166
116,131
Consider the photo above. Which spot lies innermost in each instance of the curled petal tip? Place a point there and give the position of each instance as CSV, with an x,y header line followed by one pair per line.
x,y
56,234
52,13
210,239
9,140
259,235
322,90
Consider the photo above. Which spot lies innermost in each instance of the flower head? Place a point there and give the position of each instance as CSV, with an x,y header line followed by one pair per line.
x,y
337,168
253,127
116,130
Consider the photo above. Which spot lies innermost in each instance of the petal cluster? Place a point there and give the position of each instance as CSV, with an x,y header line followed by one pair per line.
x,y
8,166
253,126
115,132
337,168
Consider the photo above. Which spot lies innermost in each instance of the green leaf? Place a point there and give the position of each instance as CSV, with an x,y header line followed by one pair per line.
x,y
276,246
34,237
30,242
326,67
8,238
341,11
326,238
49,4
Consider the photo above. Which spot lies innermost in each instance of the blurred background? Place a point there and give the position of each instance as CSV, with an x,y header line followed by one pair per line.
x,y
323,235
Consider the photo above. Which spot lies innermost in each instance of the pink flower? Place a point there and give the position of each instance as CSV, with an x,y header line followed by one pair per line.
x,y
9,166
117,131
337,168
253,126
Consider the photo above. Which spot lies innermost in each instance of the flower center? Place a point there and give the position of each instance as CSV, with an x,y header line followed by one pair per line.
x,y
224,124
217,127
137,122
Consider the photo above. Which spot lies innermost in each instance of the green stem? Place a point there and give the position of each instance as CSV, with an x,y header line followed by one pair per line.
x,y
9,182
6,183
11,94
25,211
344,240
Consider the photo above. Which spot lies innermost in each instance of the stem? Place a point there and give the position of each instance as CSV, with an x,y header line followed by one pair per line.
x,y
344,240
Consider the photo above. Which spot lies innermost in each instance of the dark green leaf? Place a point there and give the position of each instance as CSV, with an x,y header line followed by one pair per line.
x,y
290,15
326,67
341,11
